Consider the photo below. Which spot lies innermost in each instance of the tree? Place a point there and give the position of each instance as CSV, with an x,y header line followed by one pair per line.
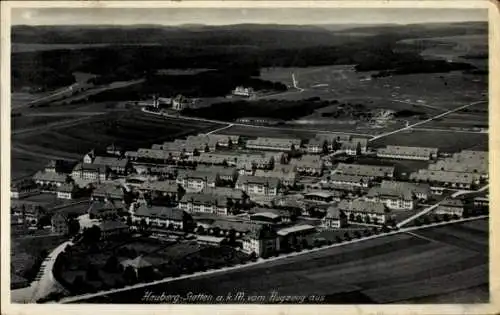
x,y
129,221
92,235
111,264
347,237
200,230
216,231
325,148
92,274
73,227
78,283
129,275
232,236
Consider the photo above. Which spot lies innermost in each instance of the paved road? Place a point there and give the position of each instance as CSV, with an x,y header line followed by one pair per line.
x,y
426,121
68,89
260,261
47,283
219,129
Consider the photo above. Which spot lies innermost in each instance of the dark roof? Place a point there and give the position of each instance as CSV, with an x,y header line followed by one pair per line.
x,y
97,206
280,212
108,189
202,198
237,226
167,213
261,233
66,188
112,225
110,161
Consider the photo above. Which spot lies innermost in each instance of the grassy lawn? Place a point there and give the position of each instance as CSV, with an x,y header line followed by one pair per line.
x,y
128,130
21,122
446,141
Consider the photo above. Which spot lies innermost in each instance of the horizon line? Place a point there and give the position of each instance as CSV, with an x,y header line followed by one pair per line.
x,y
253,23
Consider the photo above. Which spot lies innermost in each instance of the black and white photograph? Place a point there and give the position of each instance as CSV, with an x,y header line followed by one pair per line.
x,y
248,155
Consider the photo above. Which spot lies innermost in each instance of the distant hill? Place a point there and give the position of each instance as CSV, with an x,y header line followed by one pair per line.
x,y
261,35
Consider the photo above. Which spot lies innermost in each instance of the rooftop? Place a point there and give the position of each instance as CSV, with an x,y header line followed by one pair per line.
x,y
365,170
297,228
110,225
165,213
202,198
220,170
111,161
50,177
444,176
358,205
163,186
275,142
409,151
334,213
108,189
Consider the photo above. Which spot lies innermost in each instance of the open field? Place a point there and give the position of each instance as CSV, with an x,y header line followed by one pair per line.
x,y
442,90
130,130
385,270
22,165
446,141
21,122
